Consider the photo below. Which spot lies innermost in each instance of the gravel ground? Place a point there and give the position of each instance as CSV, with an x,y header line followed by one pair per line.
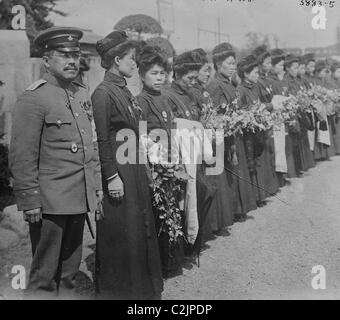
x,y
269,256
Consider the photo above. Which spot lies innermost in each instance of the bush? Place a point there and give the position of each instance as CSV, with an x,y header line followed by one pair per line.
x,y
6,192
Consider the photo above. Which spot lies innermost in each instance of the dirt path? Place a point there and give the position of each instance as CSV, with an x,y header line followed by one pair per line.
x,y
270,256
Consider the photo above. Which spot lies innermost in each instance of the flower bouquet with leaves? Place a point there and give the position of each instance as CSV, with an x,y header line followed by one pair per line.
x,y
168,191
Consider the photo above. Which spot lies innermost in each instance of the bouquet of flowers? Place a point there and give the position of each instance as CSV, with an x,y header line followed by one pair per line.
x,y
304,100
168,190
234,119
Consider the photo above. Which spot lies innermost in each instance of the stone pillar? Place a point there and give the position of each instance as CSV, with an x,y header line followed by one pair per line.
x,y
15,74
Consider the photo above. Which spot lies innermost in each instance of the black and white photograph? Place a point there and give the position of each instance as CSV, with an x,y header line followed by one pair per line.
x,y
178,150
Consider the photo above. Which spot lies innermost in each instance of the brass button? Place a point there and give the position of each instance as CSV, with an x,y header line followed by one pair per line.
x,y
76,114
59,122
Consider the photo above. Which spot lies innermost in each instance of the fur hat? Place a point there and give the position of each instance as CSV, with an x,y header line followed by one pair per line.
x,y
246,65
335,66
309,57
112,45
320,65
290,59
261,52
150,56
203,55
221,52
277,56
186,62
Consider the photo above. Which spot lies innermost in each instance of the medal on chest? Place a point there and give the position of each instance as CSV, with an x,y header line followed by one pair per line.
x,y
165,116
87,108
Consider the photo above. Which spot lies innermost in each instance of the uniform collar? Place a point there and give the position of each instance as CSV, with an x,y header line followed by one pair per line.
x,y
117,80
50,78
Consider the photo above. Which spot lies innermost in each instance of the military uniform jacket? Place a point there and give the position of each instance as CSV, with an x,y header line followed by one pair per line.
x,y
53,154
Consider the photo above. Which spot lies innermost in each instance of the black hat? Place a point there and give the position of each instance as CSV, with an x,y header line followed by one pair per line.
x,y
112,40
150,56
186,62
64,39
203,55
335,66
261,52
223,51
247,64
309,57
277,56
302,60
290,59
320,65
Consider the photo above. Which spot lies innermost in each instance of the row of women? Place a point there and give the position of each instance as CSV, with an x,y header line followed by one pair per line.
x,y
132,259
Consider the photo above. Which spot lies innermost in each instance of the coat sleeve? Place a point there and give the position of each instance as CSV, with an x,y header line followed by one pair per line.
x,y
96,161
102,106
28,121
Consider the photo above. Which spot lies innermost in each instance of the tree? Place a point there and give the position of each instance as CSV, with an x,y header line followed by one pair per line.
x,y
139,23
37,12
255,39
167,48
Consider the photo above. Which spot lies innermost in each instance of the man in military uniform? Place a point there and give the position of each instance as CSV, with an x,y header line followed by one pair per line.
x,y
55,164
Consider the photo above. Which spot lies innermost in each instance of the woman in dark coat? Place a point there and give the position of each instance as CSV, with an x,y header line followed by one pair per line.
x,y
295,131
128,264
153,69
335,80
185,105
306,119
320,76
279,87
266,95
223,91
254,142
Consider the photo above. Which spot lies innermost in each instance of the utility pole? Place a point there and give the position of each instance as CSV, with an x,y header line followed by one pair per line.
x,y
159,15
219,29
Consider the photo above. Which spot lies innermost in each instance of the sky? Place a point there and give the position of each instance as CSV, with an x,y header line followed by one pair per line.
x,y
287,19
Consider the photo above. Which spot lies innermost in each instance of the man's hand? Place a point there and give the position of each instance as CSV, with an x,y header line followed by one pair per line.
x,y
116,188
33,215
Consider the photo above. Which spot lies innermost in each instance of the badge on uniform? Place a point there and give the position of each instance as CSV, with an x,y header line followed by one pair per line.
x,y
87,108
74,147
165,116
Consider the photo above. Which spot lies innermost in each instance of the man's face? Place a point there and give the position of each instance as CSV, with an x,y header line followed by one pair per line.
x,y
63,65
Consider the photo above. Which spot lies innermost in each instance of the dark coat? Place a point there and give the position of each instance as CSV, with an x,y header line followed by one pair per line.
x,y
128,262
182,103
222,91
53,157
